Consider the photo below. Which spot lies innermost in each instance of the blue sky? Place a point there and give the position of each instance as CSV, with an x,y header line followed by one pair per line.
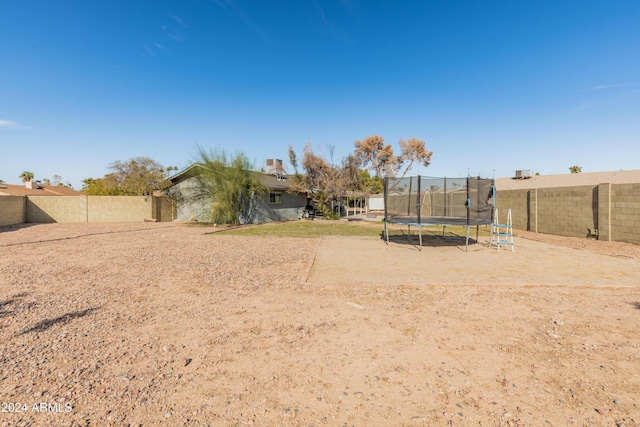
x,y
490,86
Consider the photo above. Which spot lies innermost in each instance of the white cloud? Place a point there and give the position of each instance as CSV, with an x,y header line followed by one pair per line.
x,y
231,8
148,51
589,104
7,124
176,36
179,20
600,87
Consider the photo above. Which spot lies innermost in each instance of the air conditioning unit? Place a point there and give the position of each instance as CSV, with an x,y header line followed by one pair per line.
x,y
525,173
274,167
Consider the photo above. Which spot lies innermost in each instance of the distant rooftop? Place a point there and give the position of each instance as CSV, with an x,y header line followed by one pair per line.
x,y
41,190
570,180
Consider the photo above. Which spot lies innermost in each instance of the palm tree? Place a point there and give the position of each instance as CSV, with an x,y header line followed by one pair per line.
x,y
575,169
26,176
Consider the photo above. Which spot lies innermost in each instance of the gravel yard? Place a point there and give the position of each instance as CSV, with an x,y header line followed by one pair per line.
x,y
164,324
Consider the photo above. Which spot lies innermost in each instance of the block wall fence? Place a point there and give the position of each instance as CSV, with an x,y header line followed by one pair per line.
x,y
48,209
610,210
12,210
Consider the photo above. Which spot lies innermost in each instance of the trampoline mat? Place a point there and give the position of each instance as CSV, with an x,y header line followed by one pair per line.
x,y
435,220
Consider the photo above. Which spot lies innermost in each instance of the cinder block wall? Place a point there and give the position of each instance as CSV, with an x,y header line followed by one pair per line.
x,y
12,210
567,211
563,211
518,202
612,209
45,209
164,209
119,208
48,209
625,213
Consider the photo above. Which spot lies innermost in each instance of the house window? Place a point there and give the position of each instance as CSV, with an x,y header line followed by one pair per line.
x,y
275,198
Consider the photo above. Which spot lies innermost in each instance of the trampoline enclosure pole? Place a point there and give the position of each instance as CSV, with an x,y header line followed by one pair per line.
x,y
386,226
419,209
445,197
468,203
468,212
409,197
493,198
467,243
418,200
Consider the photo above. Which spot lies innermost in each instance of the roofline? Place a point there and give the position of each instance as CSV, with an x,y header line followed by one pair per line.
x,y
184,171
189,171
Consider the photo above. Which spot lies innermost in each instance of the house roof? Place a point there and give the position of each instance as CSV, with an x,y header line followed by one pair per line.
x,y
43,190
186,173
271,181
569,180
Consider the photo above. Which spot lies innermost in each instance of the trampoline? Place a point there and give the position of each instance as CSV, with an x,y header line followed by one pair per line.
x,y
425,201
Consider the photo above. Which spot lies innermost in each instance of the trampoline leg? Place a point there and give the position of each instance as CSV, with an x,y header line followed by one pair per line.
x,y
467,245
386,231
420,234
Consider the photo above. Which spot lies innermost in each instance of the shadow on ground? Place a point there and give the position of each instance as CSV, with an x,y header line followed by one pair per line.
x,y
65,318
83,235
429,239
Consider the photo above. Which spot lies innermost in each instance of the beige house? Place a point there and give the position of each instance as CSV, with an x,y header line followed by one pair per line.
x,y
34,188
569,180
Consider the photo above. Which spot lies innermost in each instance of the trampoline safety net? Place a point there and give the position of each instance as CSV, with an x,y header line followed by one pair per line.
x,y
421,199
438,201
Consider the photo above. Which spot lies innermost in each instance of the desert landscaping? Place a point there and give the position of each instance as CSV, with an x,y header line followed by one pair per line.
x,y
170,324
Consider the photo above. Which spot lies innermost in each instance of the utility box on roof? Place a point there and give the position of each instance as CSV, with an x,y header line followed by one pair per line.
x,y
525,173
274,167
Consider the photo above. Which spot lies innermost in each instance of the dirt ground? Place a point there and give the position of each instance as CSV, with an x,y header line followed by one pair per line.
x,y
163,324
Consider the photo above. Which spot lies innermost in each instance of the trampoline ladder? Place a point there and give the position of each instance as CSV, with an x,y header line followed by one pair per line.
x,y
502,234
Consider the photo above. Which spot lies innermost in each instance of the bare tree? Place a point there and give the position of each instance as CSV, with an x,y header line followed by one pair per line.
x,y
293,159
332,149
376,155
413,151
321,181
379,157
140,176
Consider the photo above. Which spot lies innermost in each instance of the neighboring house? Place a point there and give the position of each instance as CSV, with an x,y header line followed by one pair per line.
x,y
35,188
569,180
276,205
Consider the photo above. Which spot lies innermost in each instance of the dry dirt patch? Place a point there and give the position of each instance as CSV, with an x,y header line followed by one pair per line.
x,y
538,260
158,324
